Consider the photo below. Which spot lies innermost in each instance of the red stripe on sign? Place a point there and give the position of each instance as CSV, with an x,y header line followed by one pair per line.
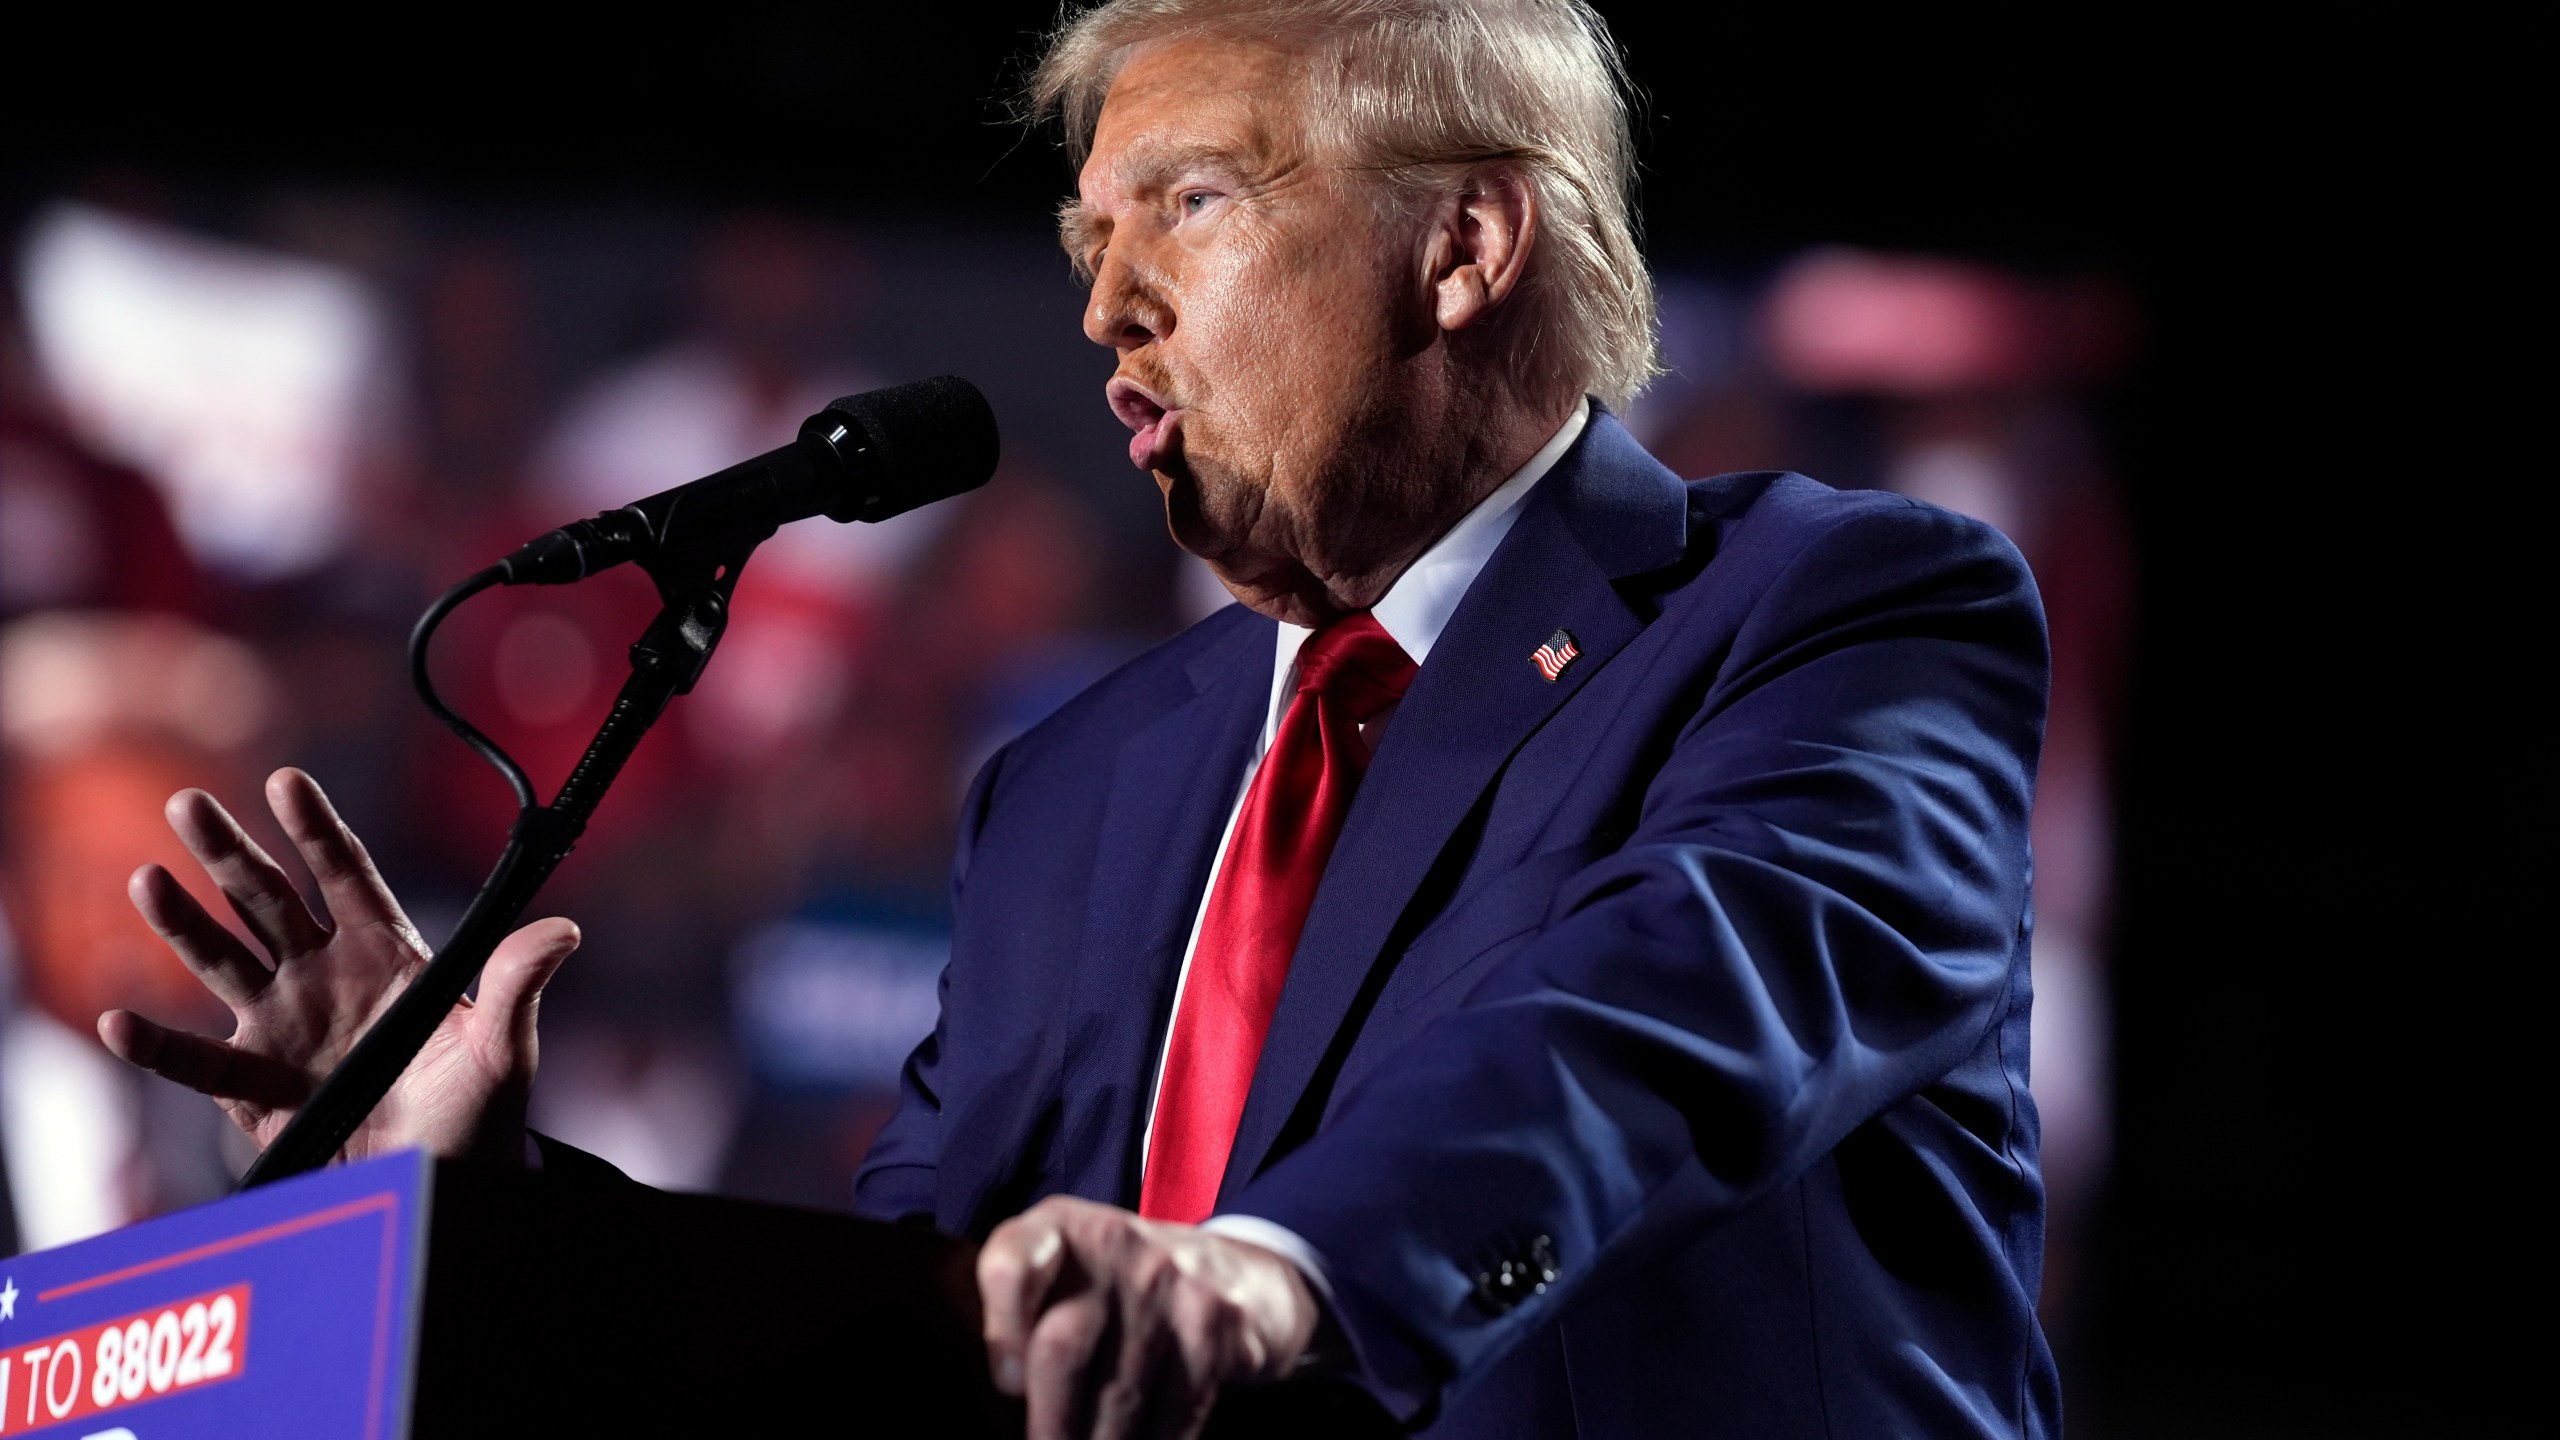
x,y
381,1328
317,1218
165,1350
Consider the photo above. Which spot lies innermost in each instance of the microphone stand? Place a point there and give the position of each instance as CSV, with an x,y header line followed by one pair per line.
x,y
665,662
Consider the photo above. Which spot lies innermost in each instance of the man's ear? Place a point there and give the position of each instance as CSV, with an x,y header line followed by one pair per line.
x,y
1483,248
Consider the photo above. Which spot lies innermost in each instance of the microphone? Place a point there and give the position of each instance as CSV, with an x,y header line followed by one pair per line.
x,y
864,457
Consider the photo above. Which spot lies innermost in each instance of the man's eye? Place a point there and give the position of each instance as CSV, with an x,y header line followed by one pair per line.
x,y
1194,202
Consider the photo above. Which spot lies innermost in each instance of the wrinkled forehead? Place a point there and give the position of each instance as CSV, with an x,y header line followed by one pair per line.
x,y
1176,105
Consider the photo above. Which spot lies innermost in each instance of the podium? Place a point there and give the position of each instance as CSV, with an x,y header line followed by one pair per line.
x,y
400,1297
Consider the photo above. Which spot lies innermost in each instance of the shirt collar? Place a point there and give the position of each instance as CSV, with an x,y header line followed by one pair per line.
x,y
1417,607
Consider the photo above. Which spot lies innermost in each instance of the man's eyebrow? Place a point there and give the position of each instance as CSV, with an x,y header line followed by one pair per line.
x,y
1158,165
1080,233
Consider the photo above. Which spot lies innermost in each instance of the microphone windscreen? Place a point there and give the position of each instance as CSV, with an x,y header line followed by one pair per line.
x,y
932,439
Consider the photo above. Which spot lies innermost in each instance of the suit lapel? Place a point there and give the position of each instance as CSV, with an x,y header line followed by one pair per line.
x,y
1607,511
1173,782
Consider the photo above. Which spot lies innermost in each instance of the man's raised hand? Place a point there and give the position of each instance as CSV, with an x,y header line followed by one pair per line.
x,y
303,1005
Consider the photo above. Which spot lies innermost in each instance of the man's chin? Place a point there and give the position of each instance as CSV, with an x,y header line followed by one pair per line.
x,y
1198,521
1258,582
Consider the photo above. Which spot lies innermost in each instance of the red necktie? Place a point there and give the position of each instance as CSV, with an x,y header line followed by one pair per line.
x,y
1348,673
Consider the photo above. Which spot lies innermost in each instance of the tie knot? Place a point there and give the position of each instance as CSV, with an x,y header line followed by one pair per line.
x,y
1356,664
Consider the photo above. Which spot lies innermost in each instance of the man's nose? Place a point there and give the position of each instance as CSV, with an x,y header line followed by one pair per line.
x,y
1123,312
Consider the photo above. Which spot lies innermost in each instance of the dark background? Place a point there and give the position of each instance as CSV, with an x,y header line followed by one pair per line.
x,y
2323,814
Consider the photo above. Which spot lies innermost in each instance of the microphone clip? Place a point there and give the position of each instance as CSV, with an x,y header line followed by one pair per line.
x,y
694,592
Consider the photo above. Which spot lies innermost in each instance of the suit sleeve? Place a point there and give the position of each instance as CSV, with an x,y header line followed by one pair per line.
x,y
1815,916
897,1179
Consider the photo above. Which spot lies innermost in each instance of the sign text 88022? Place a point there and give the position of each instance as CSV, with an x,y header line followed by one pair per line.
x,y
124,1361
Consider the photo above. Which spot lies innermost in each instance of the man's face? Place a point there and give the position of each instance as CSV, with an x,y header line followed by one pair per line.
x,y
1267,311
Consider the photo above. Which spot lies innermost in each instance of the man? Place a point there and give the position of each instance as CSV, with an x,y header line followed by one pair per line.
x,y
1564,932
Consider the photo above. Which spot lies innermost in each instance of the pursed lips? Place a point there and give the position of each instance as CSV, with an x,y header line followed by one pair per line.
x,y
1148,414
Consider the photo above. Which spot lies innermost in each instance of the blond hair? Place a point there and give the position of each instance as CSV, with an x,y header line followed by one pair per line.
x,y
1425,92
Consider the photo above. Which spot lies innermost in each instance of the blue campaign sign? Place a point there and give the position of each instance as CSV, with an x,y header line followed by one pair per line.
x,y
287,1312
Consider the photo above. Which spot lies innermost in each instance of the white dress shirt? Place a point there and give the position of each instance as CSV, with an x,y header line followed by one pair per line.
x,y
1413,611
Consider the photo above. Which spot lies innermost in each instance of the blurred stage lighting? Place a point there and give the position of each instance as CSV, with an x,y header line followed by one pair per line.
x,y
235,378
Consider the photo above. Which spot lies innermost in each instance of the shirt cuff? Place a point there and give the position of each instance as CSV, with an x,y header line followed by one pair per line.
x,y
1281,1241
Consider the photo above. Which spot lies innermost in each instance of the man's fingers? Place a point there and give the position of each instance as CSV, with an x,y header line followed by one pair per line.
x,y
216,955
338,861
1058,1366
251,880
225,1072
1147,1391
1016,1269
1203,1352
524,962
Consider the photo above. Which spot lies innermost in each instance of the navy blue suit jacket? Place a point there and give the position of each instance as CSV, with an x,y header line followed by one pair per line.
x,y
1697,976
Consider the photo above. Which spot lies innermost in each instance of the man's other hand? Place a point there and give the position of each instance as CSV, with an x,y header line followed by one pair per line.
x,y
1113,1326
303,1005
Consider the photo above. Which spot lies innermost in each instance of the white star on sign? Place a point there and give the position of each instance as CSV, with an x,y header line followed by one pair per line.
x,y
9,1298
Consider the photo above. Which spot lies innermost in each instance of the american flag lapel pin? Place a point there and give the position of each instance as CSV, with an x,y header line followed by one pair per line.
x,y
1557,653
